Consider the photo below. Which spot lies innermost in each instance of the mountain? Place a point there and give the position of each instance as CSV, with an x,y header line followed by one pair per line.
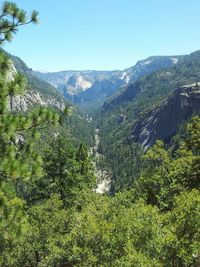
x,y
90,89
40,93
76,86
163,122
158,84
144,111
62,78
73,82
97,94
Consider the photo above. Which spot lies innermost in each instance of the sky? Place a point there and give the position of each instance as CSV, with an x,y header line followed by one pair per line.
x,y
105,34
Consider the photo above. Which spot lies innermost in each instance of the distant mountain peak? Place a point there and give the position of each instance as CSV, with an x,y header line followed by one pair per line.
x,y
75,84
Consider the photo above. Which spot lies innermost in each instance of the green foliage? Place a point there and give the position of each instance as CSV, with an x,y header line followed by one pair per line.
x,y
67,171
124,161
74,121
105,232
183,231
11,18
18,159
165,175
11,221
154,224
51,217
133,103
81,129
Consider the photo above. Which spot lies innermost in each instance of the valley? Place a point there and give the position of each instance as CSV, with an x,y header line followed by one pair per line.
x,y
90,89
99,168
129,118
103,179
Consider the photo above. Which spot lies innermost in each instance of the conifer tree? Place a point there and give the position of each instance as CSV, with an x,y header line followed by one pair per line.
x,y
67,171
11,18
85,165
17,157
18,134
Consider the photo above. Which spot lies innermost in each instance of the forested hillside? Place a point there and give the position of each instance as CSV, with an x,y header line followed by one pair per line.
x,y
50,213
138,102
40,93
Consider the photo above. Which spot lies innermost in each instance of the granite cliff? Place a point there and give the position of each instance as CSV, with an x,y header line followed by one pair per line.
x,y
163,121
38,92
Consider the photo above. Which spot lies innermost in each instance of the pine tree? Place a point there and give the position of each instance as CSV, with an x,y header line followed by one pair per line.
x,y
18,134
67,171
17,157
11,18
85,166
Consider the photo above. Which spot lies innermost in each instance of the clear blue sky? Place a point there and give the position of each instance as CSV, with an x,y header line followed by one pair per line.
x,y
105,34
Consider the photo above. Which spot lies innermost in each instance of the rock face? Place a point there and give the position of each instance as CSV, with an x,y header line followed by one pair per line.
x,y
22,103
162,122
17,103
74,82
38,91
97,94
79,83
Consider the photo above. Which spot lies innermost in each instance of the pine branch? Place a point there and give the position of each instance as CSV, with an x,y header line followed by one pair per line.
x,y
3,14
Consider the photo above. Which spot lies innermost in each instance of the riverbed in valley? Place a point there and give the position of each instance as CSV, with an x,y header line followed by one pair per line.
x,y
103,179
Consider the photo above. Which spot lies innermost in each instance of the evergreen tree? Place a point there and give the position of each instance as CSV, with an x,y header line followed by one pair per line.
x,y
18,158
67,172
83,158
18,133
165,174
11,18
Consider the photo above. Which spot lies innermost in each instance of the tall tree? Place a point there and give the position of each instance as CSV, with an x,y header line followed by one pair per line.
x,y
18,133
18,158
68,171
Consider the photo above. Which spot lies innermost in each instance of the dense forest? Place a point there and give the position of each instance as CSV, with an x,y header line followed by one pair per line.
x,y
50,214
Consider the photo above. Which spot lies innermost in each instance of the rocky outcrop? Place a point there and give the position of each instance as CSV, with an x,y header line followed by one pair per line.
x,y
79,83
17,103
22,103
35,91
163,122
74,82
150,65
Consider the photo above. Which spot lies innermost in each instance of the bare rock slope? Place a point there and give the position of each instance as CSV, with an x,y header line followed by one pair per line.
x,y
163,122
